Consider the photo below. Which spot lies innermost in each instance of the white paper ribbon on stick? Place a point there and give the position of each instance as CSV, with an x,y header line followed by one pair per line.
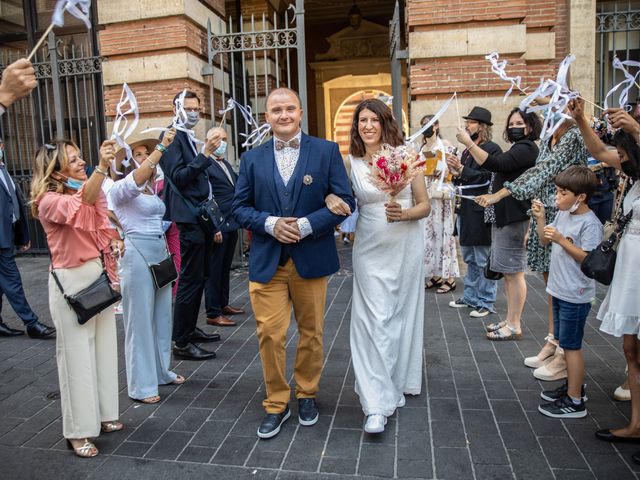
x,y
498,67
122,128
629,81
179,123
435,118
77,8
258,132
560,94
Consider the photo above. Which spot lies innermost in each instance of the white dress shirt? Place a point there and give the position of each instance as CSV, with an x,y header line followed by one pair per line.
x,y
286,161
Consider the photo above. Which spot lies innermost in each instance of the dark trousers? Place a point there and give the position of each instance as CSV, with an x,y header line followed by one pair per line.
x,y
602,206
195,252
216,290
11,286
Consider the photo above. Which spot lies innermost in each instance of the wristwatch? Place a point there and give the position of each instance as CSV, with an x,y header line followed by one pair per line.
x,y
161,148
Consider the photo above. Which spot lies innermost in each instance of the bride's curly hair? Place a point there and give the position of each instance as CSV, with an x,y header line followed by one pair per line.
x,y
391,134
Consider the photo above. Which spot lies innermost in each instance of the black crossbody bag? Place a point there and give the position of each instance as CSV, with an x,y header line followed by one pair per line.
x,y
600,263
208,213
90,301
163,272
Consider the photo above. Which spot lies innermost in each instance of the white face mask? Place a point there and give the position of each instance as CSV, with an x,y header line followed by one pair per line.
x,y
575,206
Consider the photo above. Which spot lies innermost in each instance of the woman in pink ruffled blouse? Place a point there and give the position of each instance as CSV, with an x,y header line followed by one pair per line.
x,y
73,212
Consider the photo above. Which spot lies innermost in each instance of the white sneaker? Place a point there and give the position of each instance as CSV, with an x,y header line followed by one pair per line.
x,y
375,424
622,394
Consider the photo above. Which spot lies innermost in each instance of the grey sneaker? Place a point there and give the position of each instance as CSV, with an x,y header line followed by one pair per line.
x,y
459,303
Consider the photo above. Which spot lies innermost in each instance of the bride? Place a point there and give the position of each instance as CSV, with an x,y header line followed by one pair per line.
x,y
387,312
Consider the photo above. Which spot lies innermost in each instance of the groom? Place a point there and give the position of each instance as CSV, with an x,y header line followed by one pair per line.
x,y
280,196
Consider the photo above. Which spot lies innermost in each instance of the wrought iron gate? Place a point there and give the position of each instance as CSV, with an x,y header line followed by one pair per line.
x,y
262,54
67,103
617,33
398,56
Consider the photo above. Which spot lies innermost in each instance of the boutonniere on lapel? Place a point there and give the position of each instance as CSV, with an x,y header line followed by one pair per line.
x,y
307,180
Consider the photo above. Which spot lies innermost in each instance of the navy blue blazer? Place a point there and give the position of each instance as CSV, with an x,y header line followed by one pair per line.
x,y
257,198
187,172
12,234
223,192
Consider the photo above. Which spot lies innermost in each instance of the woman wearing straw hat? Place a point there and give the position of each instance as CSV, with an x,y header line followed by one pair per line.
x,y
146,310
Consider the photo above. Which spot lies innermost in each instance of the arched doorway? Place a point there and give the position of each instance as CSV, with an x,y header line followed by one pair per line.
x,y
344,115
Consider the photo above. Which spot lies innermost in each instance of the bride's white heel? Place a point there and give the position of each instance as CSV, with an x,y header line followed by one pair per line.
x,y
375,424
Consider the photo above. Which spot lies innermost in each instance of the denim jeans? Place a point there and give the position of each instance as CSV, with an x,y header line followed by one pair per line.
x,y
568,322
478,290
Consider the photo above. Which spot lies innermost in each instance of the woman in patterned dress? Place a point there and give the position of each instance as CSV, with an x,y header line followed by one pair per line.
x,y
440,257
564,149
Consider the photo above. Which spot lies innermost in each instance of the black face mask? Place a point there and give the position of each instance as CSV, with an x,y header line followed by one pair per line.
x,y
428,133
474,136
629,169
516,134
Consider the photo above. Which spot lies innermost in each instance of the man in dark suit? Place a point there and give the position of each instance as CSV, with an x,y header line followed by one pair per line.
x,y
185,173
223,184
14,232
280,197
474,230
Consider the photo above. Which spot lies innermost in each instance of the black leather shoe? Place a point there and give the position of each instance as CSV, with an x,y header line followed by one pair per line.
x,y
7,331
200,336
39,330
192,352
307,411
271,424
607,436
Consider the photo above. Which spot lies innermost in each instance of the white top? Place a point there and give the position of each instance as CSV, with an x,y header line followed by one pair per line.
x,y
136,211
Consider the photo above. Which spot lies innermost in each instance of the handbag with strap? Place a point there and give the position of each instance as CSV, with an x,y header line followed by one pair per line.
x,y
208,213
600,263
610,225
92,300
164,272
491,274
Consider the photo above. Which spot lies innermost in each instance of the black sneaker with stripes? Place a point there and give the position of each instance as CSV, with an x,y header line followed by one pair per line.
x,y
563,408
561,391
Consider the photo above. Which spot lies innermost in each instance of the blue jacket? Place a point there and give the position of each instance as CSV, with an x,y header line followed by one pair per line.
x,y
187,172
256,198
12,234
223,192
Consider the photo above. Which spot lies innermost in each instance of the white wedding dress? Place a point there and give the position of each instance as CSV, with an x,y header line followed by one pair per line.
x,y
387,311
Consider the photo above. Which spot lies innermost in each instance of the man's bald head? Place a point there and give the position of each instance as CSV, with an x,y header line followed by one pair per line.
x,y
283,91
218,132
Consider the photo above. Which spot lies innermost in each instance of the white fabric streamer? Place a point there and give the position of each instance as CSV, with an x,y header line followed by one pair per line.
x,y
435,118
629,81
122,128
77,8
498,67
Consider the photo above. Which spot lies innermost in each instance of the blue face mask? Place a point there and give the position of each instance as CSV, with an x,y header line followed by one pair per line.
x,y
73,184
220,151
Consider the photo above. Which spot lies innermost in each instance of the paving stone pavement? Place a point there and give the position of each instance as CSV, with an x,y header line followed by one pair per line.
x,y
477,417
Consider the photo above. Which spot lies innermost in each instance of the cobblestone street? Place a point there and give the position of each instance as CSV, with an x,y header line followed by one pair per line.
x,y
477,417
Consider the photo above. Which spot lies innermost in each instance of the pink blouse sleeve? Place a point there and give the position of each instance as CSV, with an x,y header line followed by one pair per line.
x,y
69,210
